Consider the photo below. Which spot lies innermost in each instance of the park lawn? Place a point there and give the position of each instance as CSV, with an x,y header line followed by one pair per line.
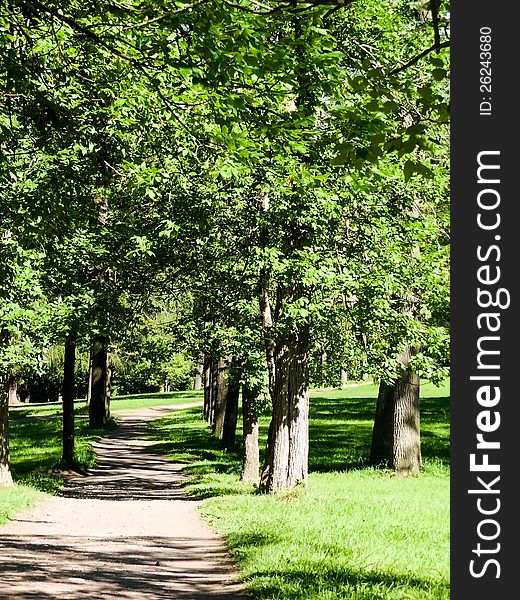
x,y
157,399
116,403
354,532
35,446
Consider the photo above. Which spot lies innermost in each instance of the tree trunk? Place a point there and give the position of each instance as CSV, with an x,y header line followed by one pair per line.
x,y
221,397
343,378
214,379
396,437
68,393
251,453
298,467
380,449
5,471
199,370
90,370
108,386
14,399
207,388
99,410
288,444
231,413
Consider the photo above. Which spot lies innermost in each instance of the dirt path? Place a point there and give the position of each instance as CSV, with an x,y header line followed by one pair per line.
x,y
126,530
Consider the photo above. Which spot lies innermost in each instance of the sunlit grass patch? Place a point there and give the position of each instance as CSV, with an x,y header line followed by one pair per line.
x,y
353,531
16,498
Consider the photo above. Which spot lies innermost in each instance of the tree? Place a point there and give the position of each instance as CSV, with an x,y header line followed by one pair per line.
x,y
68,395
221,150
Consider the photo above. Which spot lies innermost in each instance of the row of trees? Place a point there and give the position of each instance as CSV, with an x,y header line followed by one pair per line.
x,y
265,182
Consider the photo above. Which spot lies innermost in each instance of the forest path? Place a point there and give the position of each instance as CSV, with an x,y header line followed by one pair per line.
x,y
124,530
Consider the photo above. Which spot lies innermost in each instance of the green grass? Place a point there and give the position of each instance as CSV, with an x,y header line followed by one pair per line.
x,y
36,447
158,399
16,498
353,532
117,403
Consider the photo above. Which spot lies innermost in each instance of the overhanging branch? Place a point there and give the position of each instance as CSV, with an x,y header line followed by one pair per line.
x,y
417,58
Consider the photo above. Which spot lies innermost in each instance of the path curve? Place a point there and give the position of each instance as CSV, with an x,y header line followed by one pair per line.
x,y
125,530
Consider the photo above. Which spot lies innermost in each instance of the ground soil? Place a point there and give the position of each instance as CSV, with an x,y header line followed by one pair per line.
x,y
126,529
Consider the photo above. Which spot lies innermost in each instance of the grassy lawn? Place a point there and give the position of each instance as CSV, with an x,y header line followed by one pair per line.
x,y
354,532
116,403
35,455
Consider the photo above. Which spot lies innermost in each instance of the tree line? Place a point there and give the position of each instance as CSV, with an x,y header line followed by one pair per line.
x,y
264,182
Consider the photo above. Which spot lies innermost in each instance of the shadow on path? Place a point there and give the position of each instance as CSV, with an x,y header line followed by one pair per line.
x,y
127,471
44,567
125,529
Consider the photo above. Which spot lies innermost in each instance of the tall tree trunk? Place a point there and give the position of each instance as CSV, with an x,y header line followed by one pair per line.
x,y
298,386
199,371
68,394
5,471
288,445
90,370
396,437
288,442
220,399
108,386
251,453
13,391
214,380
343,378
207,388
99,410
231,413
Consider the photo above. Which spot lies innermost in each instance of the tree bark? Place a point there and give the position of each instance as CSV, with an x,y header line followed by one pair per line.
x,y
220,399
288,444
251,451
298,467
108,385
343,378
68,394
14,399
231,412
90,369
199,371
99,409
396,437
207,387
5,470
214,380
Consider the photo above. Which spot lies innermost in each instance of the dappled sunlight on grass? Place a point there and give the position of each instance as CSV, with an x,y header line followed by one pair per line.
x,y
16,498
36,448
353,532
190,441
361,534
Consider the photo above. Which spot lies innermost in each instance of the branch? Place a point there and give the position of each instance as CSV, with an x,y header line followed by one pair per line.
x,y
415,59
166,15
116,52
435,19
